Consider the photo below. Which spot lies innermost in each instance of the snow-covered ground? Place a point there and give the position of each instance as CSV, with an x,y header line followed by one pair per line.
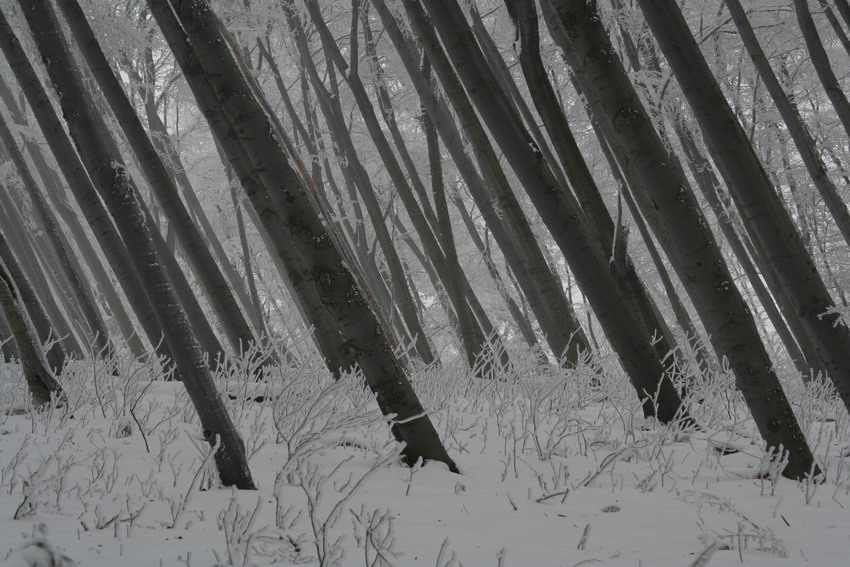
x,y
554,472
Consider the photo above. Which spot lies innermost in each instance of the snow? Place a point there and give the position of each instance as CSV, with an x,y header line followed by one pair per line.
x,y
553,472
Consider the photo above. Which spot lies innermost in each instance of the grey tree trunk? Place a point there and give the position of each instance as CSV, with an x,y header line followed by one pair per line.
x,y
762,211
475,338
558,210
803,139
94,144
7,349
49,179
820,61
683,232
493,196
206,271
80,184
42,385
80,288
581,180
322,263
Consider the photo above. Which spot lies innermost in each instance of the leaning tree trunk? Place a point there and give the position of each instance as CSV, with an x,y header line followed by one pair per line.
x,y
493,196
206,271
580,178
683,231
36,314
81,186
80,288
803,139
761,208
94,143
323,264
49,179
7,349
557,208
474,338
820,61
42,385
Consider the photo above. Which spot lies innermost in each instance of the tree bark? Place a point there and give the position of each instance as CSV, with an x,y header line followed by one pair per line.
x,y
81,186
558,210
820,61
683,231
322,262
493,196
42,385
94,144
762,211
80,288
803,139
206,271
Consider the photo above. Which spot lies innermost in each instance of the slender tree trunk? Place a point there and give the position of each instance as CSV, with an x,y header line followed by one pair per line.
x,y
519,317
322,262
81,186
683,232
836,25
611,237
761,209
69,265
820,61
558,210
493,196
803,140
8,349
843,7
50,182
36,312
42,385
94,144
475,339
206,271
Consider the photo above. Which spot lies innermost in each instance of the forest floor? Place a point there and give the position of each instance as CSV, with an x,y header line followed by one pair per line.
x,y
555,471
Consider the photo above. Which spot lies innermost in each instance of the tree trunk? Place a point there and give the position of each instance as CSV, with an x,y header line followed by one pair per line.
x,y
558,210
322,263
803,140
206,271
81,186
36,311
94,144
494,197
820,61
42,385
761,209
50,182
683,231
581,180
80,288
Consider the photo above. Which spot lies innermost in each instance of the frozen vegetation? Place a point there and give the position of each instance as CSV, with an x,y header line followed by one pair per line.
x,y
557,467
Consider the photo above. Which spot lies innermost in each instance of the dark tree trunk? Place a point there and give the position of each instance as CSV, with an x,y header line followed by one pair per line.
x,y
42,385
803,140
494,197
206,271
322,263
74,172
558,210
581,180
820,61
49,179
80,288
36,313
683,231
762,211
94,144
